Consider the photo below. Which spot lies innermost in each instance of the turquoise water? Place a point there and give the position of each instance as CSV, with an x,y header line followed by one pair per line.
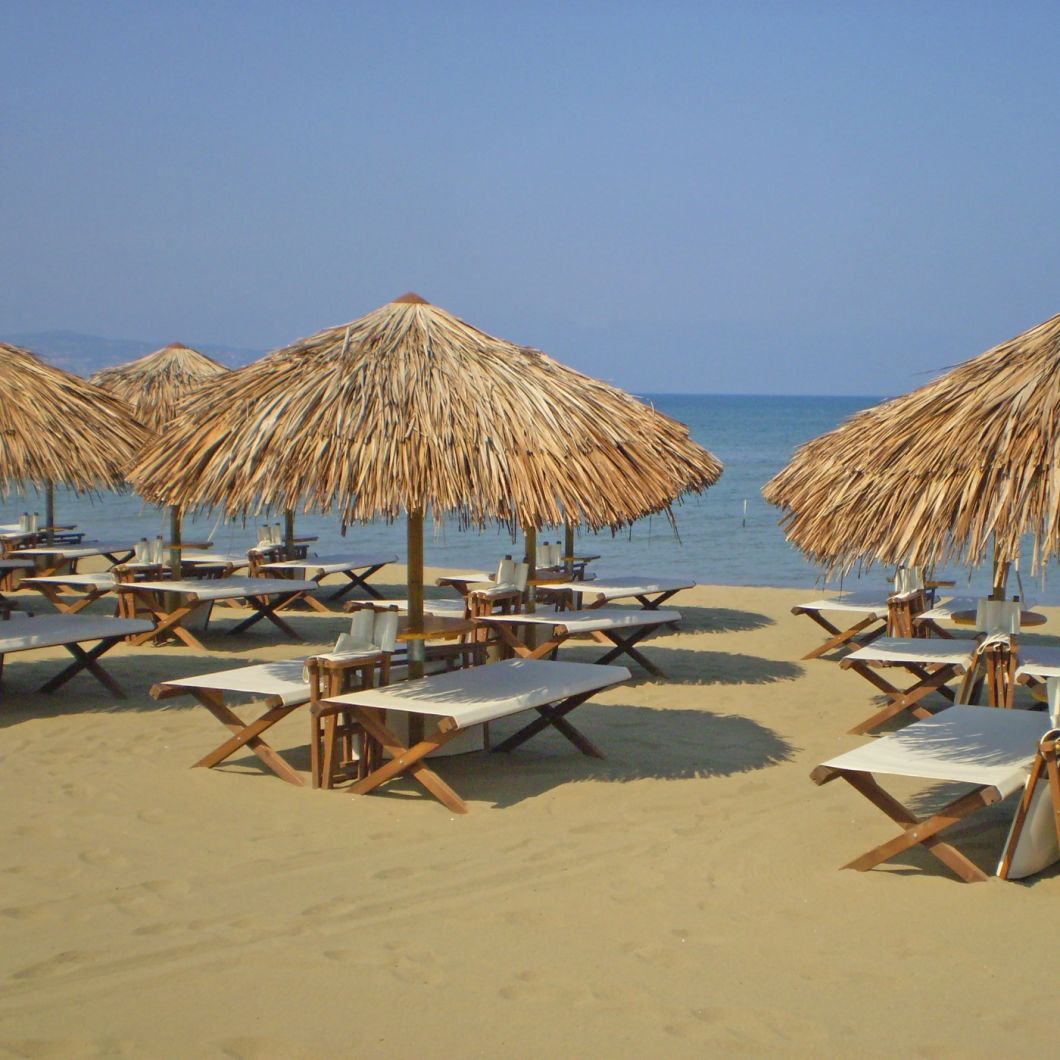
x,y
753,435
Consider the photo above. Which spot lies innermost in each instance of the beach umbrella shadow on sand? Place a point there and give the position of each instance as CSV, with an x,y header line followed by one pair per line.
x,y
409,411
970,461
155,386
58,428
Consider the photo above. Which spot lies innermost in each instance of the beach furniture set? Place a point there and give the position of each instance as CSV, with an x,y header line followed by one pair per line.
x,y
361,723
995,750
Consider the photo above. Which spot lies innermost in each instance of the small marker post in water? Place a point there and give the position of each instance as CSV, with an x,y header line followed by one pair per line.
x,y
744,520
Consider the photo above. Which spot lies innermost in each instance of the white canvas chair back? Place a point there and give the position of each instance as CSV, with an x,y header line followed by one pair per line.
x,y
908,580
1052,696
512,575
998,618
370,632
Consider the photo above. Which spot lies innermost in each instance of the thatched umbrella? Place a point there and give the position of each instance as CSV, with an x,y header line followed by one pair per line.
x,y
55,427
155,386
411,410
940,473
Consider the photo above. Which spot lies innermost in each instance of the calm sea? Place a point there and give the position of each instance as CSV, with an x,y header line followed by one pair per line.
x,y
727,536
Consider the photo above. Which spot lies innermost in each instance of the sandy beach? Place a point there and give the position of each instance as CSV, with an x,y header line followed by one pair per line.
x,y
681,898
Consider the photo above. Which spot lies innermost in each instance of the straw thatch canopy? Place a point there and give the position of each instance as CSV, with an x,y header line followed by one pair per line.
x,y
941,473
155,385
55,427
412,409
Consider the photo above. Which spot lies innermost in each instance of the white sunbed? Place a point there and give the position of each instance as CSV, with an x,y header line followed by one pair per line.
x,y
356,569
55,556
69,632
933,663
466,698
649,592
280,685
871,622
943,611
622,628
173,602
91,586
991,749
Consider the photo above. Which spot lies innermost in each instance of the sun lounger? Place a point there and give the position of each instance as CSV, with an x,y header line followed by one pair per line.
x,y
70,632
871,622
472,697
439,608
173,602
933,663
620,627
53,557
92,587
281,686
931,621
356,569
649,592
993,750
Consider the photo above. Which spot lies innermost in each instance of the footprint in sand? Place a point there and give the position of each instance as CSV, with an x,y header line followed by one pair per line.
x,y
395,873
67,961
104,857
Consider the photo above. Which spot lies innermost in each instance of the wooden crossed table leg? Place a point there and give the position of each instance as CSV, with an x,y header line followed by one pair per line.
x,y
410,759
909,699
246,735
916,831
358,581
52,594
842,637
265,608
621,643
169,623
87,660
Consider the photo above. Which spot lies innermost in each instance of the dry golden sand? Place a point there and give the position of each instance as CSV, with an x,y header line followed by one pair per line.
x,y
681,898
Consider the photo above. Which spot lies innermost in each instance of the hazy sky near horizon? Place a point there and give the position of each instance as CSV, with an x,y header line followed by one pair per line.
x,y
677,197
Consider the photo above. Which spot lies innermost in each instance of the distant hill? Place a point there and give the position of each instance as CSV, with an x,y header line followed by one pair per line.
x,y
85,354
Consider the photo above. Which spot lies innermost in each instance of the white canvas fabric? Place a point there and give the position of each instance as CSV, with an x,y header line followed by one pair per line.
x,y
973,745
282,680
486,693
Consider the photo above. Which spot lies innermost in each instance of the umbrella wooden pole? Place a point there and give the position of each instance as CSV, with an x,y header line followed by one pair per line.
x,y
49,513
530,559
288,533
174,542
568,549
1000,578
416,647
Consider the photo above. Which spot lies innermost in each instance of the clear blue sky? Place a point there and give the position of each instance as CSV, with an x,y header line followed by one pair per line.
x,y
747,197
